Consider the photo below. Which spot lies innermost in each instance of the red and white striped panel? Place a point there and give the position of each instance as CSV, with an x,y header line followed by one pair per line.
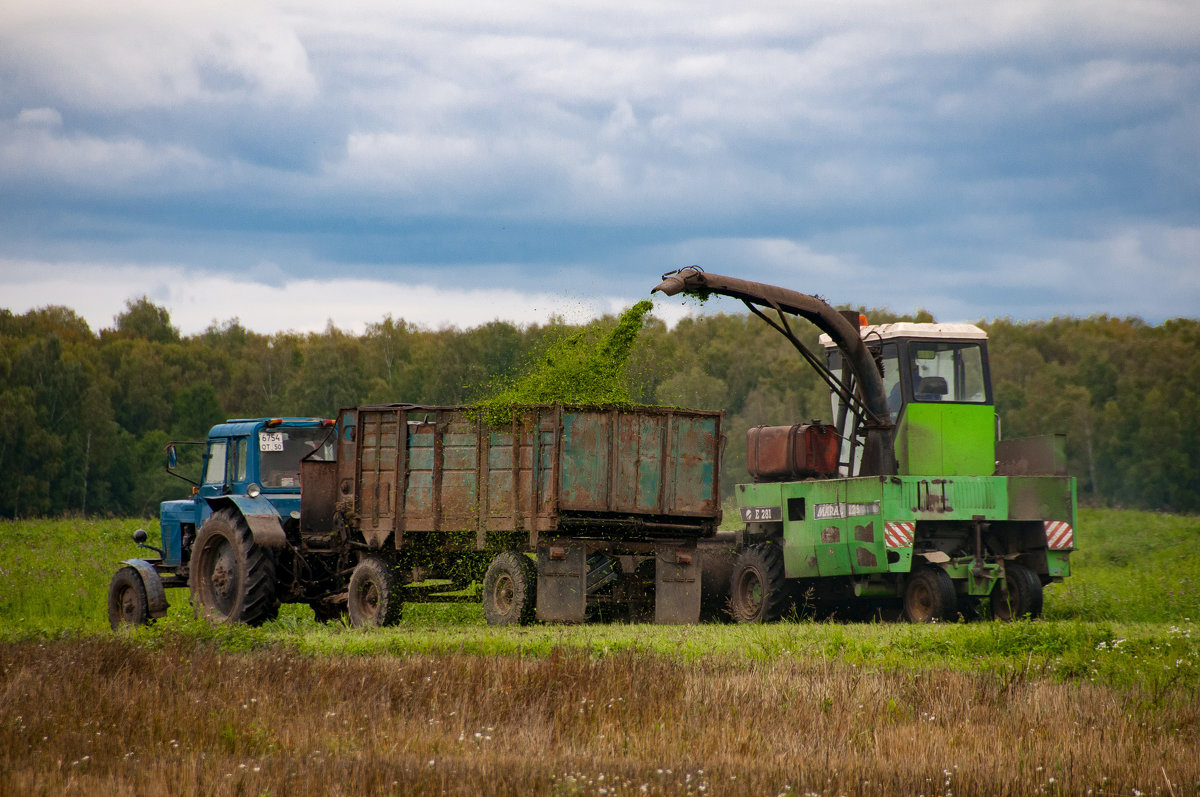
x,y
1059,535
898,535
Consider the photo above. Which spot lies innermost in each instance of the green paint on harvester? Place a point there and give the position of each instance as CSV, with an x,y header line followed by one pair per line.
x,y
586,367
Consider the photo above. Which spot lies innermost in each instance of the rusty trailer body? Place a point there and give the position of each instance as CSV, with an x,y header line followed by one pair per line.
x,y
610,501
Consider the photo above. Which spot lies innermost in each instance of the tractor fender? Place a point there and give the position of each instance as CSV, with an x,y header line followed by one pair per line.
x,y
264,521
156,595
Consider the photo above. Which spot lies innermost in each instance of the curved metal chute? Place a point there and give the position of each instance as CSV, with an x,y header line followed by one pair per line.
x,y
868,393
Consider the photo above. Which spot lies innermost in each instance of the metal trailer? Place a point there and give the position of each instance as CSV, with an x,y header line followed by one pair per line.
x,y
563,513
907,500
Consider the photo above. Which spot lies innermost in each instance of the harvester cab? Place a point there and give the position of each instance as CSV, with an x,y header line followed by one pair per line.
x,y
939,396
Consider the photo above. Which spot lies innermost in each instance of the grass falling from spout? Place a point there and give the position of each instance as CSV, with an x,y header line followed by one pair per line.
x,y
586,367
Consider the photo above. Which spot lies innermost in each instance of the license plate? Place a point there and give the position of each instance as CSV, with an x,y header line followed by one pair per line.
x,y
761,514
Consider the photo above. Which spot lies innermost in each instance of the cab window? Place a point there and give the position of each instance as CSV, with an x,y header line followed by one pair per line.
x,y
214,471
280,451
945,371
241,446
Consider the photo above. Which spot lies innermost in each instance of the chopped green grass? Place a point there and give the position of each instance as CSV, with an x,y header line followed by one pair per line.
x,y
586,367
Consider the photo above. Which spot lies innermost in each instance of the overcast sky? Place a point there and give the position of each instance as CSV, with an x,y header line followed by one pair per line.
x,y
295,163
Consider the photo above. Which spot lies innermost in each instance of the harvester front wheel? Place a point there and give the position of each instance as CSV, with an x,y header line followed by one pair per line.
x,y
510,589
758,589
929,596
374,598
127,603
1023,598
232,578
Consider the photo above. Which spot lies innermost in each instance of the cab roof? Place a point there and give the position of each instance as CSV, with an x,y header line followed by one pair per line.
x,y
235,427
910,329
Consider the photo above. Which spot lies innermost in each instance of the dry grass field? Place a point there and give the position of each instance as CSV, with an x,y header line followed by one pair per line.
x,y
104,715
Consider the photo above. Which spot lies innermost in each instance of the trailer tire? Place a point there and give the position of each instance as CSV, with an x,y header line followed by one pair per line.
x,y
929,596
127,602
232,578
374,598
757,588
510,590
1024,598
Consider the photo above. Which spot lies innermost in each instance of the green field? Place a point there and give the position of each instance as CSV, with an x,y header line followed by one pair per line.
x,y
1102,694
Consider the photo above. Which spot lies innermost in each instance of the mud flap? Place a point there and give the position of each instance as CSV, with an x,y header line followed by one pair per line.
x,y
677,584
156,595
562,582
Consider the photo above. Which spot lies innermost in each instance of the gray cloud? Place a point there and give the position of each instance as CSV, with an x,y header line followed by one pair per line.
x,y
977,159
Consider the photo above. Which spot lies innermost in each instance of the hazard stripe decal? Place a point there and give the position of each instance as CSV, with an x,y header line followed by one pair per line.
x,y
1059,535
899,535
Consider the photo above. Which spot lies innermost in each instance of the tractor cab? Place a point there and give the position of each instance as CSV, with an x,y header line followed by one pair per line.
x,y
939,395
253,464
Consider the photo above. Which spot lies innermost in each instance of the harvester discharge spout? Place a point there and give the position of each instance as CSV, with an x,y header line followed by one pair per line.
x,y
864,393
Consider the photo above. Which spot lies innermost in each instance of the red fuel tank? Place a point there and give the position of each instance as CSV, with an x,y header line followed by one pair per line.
x,y
802,451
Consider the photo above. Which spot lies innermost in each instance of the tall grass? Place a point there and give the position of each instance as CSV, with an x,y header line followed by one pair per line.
x,y
108,715
1103,696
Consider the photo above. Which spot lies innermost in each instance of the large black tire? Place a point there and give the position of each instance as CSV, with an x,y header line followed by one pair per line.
x,y
375,596
127,604
510,590
758,590
1023,597
929,596
232,579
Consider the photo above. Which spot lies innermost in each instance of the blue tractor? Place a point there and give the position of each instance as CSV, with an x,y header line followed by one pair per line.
x,y
229,542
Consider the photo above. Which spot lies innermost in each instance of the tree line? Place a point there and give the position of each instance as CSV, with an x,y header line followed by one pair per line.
x,y
85,415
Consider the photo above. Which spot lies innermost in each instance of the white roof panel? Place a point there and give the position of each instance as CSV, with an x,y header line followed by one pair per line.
x,y
909,329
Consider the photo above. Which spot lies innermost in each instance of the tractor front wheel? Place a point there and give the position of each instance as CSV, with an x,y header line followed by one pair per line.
x,y
127,603
758,589
232,578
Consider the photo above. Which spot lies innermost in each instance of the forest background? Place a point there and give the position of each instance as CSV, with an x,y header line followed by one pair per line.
x,y
85,416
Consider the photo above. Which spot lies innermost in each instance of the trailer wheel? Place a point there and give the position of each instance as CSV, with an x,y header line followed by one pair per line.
x,y
127,603
757,589
1024,598
510,589
374,598
232,578
929,596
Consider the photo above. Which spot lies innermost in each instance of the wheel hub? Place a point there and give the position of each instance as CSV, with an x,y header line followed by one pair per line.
x,y
505,593
129,605
223,576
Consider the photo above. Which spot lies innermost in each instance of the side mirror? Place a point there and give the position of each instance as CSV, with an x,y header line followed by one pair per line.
x,y
172,457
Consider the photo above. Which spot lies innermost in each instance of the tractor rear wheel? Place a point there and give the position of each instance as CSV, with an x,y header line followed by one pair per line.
x,y
510,590
232,578
127,603
374,598
758,589
929,596
1023,598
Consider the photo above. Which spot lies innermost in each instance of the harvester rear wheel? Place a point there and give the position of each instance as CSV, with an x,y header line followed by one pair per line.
x,y
758,589
374,598
510,589
127,603
1024,594
929,596
232,578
